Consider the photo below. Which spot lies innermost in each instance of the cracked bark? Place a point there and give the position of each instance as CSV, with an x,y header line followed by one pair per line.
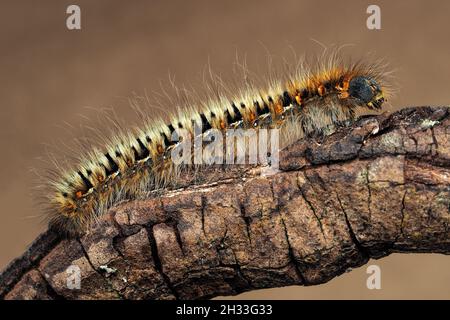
x,y
377,187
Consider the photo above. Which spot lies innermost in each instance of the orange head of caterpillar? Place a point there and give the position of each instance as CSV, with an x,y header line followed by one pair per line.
x,y
366,91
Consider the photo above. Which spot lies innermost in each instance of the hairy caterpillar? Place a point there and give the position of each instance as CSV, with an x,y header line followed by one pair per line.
x,y
301,102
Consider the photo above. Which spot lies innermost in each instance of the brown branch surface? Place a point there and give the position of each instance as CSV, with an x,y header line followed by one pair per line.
x,y
378,187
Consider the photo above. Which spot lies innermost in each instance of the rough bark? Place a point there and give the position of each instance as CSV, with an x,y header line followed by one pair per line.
x,y
377,187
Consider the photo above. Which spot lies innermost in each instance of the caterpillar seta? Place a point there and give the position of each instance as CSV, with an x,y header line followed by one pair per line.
x,y
302,101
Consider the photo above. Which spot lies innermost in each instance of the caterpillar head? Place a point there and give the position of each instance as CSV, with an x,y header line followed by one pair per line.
x,y
367,91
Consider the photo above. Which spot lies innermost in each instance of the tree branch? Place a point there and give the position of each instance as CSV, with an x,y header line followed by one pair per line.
x,y
377,187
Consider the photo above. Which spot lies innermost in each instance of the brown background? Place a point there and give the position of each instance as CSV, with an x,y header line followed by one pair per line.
x,y
48,74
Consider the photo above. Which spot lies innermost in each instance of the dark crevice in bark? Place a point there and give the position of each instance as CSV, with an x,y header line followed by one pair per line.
x,y
127,229
158,264
364,252
286,235
100,272
416,143
115,244
311,207
239,272
369,192
402,212
247,221
174,224
435,142
83,249
292,255
202,211
239,283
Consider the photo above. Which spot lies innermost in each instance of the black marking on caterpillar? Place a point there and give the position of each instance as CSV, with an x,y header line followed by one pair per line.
x,y
136,161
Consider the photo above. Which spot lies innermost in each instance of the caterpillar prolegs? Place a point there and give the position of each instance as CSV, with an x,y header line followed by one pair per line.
x,y
134,160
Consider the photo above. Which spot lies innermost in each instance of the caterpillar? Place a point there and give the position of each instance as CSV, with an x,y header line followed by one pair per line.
x,y
303,101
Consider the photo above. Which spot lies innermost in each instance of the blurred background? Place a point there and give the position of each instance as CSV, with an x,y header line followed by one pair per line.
x,y
50,75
